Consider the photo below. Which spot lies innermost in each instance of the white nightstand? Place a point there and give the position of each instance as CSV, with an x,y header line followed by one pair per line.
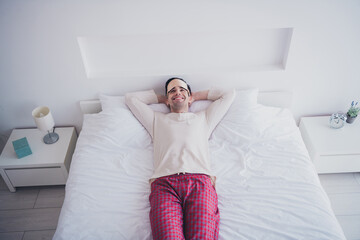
x,y
47,165
332,150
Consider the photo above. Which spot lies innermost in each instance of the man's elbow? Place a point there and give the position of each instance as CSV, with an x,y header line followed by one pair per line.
x,y
129,98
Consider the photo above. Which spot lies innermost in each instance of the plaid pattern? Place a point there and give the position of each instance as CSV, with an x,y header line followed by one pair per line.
x,y
184,205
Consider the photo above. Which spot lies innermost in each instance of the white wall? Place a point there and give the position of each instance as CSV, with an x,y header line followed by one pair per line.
x,y
41,64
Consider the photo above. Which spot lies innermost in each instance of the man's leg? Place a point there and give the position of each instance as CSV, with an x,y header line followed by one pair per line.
x,y
201,210
166,216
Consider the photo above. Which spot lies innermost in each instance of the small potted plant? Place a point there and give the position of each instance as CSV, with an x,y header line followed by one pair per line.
x,y
352,112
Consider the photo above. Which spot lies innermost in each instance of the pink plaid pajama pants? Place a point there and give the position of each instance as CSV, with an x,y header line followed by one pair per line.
x,y
184,206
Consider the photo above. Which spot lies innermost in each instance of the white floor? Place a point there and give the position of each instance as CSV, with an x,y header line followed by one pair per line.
x,y
344,194
32,213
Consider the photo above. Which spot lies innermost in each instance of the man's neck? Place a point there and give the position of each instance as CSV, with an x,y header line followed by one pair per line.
x,y
183,110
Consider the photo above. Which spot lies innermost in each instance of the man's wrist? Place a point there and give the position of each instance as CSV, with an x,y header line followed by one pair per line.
x,y
161,98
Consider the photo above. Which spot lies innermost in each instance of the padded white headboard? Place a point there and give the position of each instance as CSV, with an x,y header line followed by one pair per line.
x,y
275,99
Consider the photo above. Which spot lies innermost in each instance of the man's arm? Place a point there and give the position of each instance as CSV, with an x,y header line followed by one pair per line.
x,y
138,103
201,95
161,99
222,102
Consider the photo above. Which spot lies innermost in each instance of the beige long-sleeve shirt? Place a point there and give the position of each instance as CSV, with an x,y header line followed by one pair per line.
x,y
180,139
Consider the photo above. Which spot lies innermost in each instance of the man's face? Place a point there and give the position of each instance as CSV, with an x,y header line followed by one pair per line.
x,y
178,96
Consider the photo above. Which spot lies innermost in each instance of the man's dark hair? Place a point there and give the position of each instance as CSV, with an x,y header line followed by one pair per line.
x,y
173,78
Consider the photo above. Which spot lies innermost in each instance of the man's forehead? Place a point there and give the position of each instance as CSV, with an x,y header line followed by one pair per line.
x,y
177,83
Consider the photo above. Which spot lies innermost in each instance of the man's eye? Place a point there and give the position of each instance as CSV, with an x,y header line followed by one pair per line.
x,y
182,90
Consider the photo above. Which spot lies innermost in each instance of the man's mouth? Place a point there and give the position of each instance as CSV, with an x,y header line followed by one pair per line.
x,y
178,98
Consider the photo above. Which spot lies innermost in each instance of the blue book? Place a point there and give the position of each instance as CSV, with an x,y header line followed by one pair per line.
x,y
21,147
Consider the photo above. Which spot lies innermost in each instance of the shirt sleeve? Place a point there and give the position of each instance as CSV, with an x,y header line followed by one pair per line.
x,y
138,102
216,111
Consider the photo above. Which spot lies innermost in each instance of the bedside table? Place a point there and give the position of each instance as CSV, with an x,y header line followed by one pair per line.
x,y
47,165
332,150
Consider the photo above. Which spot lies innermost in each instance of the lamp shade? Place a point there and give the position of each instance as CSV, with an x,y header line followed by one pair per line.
x,y
43,118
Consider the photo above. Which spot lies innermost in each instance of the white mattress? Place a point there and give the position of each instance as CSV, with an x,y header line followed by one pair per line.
x,y
266,183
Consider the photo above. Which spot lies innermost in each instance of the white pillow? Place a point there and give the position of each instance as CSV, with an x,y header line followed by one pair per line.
x,y
246,98
115,102
111,102
244,104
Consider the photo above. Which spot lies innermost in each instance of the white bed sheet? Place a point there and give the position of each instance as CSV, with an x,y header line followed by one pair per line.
x,y
266,184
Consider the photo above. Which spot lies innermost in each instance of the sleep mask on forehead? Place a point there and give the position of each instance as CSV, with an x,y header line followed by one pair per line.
x,y
182,83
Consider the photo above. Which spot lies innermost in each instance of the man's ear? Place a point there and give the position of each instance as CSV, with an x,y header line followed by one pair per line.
x,y
167,102
190,100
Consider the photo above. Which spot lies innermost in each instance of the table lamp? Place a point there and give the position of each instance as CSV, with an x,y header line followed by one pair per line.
x,y
45,122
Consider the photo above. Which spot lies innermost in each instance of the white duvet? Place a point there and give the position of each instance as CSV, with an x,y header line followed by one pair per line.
x,y
266,184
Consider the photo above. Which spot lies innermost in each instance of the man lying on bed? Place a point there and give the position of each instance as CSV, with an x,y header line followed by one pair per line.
x,y
183,199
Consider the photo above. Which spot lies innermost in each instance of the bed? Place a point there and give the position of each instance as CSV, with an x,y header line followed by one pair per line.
x,y
266,184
